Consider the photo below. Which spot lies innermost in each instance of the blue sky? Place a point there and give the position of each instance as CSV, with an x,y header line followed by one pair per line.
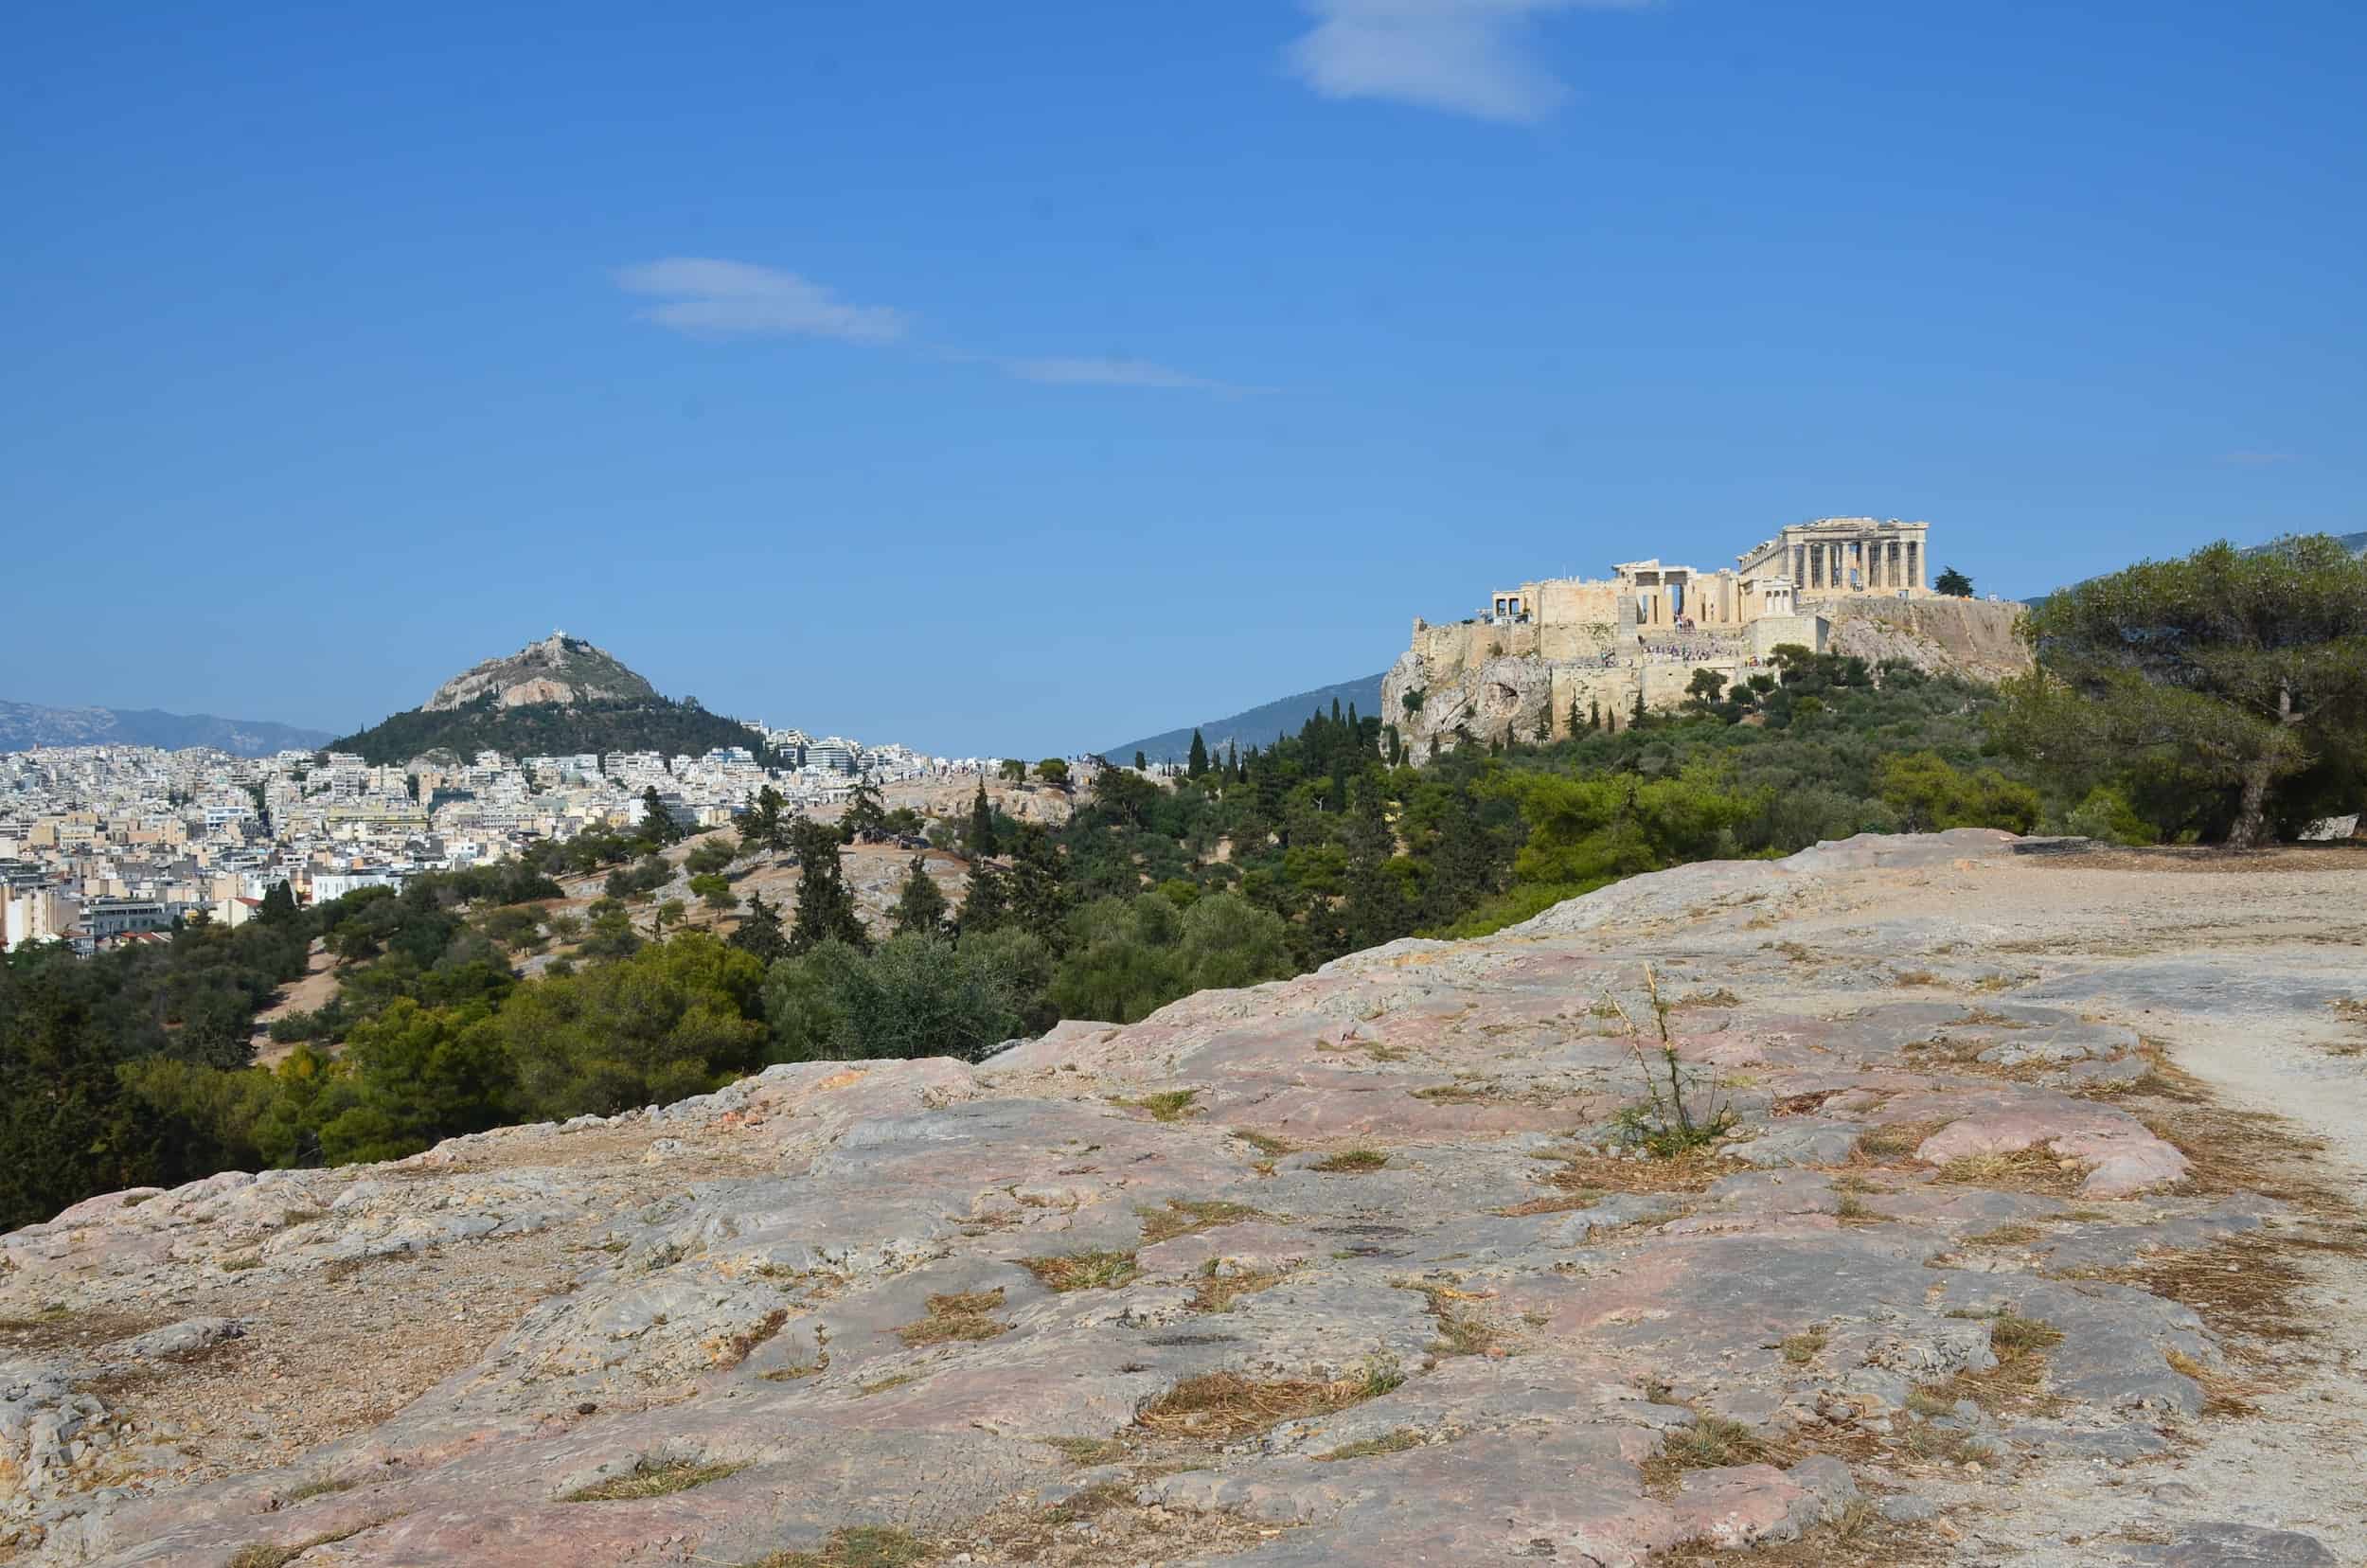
x,y
1023,378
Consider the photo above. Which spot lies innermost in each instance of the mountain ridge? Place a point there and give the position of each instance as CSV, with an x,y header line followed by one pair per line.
x,y
1255,727
24,726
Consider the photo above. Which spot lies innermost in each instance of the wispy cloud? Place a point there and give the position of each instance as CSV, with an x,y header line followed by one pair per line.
x,y
1114,372
1470,57
736,297
2258,457
709,297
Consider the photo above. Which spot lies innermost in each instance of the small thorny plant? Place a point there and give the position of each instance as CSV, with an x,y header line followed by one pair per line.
x,y
1672,1124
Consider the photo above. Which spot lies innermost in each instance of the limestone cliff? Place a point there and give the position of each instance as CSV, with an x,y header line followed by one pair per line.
x,y
1518,679
1357,1268
560,669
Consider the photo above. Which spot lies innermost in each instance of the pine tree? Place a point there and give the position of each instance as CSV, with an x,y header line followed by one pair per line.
x,y
920,905
1375,910
980,839
1594,715
1197,762
826,910
866,813
761,829
759,934
1039,901
1636,715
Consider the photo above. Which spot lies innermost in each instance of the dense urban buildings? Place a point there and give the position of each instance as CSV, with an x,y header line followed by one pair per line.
x,y
102,845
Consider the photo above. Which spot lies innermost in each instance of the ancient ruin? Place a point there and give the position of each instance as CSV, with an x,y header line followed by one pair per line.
x,y
1540,652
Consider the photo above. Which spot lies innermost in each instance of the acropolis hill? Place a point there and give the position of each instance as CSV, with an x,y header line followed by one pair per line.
x,y
1543,651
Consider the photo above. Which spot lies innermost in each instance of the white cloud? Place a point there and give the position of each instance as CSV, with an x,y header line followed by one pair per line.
x,y
1112,372
725,297
1467,56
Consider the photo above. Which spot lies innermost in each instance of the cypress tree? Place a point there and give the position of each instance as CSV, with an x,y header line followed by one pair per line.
x,y
826,910
1197,762
980,839
1635,716
921,904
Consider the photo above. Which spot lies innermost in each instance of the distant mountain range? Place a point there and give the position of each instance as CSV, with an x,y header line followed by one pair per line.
x,y
552,698
24,726
1257,726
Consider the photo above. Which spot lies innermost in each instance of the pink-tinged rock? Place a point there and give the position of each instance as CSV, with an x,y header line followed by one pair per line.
x,y
1250,1246
2127,1158
1737,1505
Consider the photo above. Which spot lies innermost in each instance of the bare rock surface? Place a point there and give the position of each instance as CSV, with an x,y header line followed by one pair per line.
x,y
2030,1240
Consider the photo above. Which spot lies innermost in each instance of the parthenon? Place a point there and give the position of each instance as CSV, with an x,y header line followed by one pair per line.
x,y
1827,558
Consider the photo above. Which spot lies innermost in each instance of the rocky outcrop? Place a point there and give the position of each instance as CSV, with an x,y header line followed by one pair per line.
x,y
560,669
1971,638
1366,1267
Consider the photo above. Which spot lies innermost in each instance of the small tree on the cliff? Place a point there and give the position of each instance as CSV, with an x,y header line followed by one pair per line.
x,y
2231,685
1142,764
1706,688
1594,715
826,910
1636,715
866,813
1954,583
1195,763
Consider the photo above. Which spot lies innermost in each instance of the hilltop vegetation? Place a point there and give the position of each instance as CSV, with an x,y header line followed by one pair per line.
x,y
550,729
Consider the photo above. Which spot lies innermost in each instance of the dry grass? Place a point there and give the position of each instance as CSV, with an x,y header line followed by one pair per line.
x,y
322,1488
2221,1395
1802,1348
1265,1143
1598,1174
1187,1216
1085,1271
1460,1333
1223,1406
1462,1092
1861,1538
1168,1105
1351,1161
1939,1445
1371,1448
1089,1450
860,1546
1854,1210
2015,1382
1893,1142
741,1346
653,1479
2231,1151
2015,1170
2011,1235
1372,1048
803,1369
2243,1288
1217,1293
966,1315
880,1386
1559,1203
263,1555
1710,1443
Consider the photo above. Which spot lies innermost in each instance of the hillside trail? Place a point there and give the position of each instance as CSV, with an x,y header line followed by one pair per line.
x,y
2281,1036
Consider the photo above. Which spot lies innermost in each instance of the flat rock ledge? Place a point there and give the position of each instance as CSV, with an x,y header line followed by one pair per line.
x,y
1356,1268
